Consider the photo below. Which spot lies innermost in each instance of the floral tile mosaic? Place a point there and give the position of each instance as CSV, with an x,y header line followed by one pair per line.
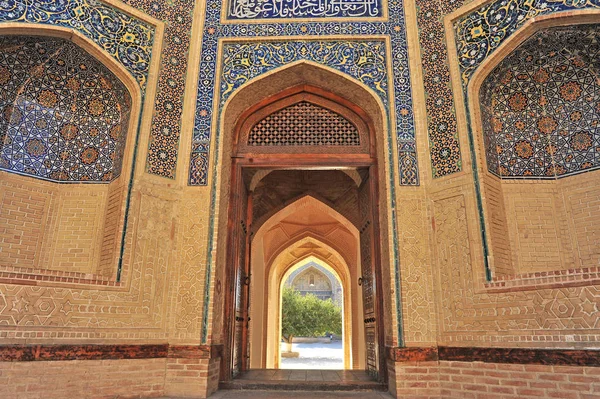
x,y
301,33
124,37
168,105
444,148
482,31
542,106
63,115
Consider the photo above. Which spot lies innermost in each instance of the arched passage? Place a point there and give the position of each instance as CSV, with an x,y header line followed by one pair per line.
x,y
358,115
314,276
286,240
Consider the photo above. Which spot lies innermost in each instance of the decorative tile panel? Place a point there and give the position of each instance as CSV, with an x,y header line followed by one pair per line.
x,y
541,106
64,116
127,39
444,147
394,28
273,9
481,32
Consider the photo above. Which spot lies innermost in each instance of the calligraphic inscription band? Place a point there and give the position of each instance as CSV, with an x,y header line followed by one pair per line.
x,y
272,9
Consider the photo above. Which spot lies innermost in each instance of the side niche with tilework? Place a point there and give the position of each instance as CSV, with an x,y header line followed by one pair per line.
x,y
540,109
64,121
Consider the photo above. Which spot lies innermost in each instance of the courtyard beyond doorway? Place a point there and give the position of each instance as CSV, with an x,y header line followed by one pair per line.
x,y
316,355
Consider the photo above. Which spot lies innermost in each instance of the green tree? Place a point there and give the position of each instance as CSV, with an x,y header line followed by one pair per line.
x,y
308,316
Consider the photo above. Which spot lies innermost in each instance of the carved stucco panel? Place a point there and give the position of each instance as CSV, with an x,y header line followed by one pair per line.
x,y
467,314
89,312
417,285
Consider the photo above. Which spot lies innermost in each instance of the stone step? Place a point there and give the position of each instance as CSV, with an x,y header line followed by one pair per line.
x,y
279,385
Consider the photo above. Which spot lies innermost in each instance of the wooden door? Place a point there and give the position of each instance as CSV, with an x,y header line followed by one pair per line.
x,y
371,278
238,276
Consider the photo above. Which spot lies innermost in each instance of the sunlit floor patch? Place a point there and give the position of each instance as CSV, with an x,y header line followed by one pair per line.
x,y
322,356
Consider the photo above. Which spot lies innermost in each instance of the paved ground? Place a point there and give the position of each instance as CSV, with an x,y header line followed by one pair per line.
x,y
298,395
322,356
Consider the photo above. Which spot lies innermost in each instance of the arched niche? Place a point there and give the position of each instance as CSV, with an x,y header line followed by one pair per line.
x,y
535,119
313,278
67,131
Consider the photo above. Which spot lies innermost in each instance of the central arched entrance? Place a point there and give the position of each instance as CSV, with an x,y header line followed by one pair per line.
x,y
302,145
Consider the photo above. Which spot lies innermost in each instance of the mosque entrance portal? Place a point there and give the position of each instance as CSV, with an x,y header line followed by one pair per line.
x,y
303,187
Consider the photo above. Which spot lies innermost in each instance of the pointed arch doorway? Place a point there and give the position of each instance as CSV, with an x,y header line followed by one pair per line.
x,y
302,141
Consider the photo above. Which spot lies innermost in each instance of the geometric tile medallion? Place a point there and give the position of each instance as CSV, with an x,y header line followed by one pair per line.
x,y
541,106
63,115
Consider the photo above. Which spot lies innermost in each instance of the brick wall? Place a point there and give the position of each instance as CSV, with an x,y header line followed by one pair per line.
x,y
582,202
77,229
543,225
417,380
113,222
65,227
533,225
83,379
23,214
194,378
479,380
498,226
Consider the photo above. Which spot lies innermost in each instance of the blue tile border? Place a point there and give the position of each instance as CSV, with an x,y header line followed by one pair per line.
x,y
214,31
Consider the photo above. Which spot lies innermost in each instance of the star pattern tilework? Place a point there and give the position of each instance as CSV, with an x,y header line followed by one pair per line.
x,y
306,32
63,115
541,106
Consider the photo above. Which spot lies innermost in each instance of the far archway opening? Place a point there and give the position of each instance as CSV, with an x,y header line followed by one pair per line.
x,y
312,318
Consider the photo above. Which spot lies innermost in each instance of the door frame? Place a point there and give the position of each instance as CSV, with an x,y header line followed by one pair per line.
x,y
283,162
242,159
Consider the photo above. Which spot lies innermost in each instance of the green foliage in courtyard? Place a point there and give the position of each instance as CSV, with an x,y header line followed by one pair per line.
x,y
308,316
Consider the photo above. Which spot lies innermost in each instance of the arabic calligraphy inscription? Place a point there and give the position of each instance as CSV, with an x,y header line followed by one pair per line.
x,y
271,9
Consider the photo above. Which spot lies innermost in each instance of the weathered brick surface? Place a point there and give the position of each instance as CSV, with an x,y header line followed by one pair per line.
x,y
451,379
503,381
195,378
419,380
83,379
